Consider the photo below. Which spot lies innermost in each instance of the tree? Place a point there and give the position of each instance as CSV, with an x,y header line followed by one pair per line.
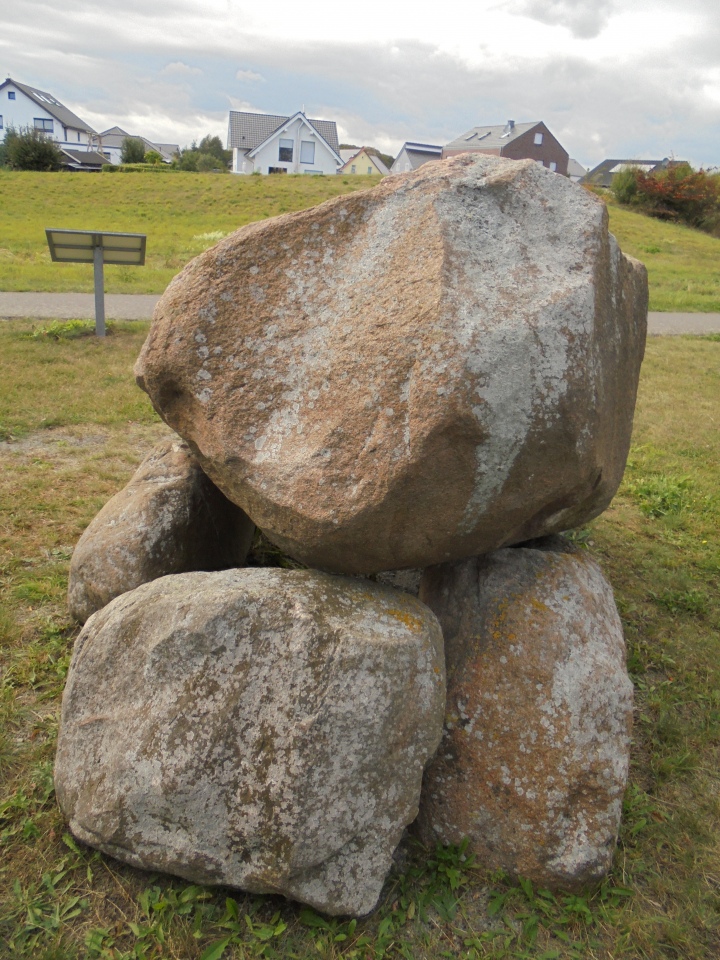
x,y
154,157
133,150
31,149
213,146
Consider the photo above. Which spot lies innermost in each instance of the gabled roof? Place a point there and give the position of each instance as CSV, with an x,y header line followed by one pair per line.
x,y
46,100
602,174
376,161
248,130
492,137
114,136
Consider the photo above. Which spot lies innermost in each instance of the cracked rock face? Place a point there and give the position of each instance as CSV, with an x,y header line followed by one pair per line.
x,y
170,518
418,373
534,758
262,729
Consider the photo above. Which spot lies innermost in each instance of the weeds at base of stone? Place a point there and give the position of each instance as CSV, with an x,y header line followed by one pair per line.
x,y
69,330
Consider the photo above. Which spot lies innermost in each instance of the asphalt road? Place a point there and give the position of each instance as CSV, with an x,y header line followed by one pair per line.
x,y
136,306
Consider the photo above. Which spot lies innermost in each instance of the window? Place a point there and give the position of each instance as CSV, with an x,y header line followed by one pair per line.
x,y
307,151
553,165
1,122
286,151
369,170
353,169
78,136
277,170
538,138
42,124
11,94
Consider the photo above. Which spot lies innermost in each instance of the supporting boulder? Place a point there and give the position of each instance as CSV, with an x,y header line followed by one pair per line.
x,y
535,751
170,518
262,729
413,374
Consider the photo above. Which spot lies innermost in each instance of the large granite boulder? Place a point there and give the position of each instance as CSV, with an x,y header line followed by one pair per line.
x,y
421,372
535,751
264,729
170,518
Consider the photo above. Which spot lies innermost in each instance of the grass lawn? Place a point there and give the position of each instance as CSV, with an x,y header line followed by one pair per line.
x,y
184,213
683,264
181,213
73,436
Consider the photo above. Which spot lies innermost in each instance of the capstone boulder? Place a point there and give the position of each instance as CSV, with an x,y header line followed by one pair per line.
x,y
170,518
535,752
418,373
263,729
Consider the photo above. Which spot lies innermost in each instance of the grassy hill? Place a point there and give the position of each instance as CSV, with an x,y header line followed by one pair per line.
x,y
184,213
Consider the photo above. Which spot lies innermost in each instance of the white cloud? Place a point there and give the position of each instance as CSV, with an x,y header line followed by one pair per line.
x,y
180,69
248,76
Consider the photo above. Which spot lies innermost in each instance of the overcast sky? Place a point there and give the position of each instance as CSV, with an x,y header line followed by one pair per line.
x,y
638,79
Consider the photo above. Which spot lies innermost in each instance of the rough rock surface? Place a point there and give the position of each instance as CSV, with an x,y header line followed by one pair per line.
x,y
535,751
421,372
265,729
170,518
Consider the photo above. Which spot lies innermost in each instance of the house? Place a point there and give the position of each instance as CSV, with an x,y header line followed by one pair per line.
x,y
23,107
110,142
414,155
602,175
361,162
576,171
517,141
266,143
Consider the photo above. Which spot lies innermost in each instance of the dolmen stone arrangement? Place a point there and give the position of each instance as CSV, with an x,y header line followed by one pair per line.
x,y
425,382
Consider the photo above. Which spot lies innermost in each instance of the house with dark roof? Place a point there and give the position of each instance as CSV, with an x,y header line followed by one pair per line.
x,y
414,155
267,143
110,142
517,141
23,107
602,175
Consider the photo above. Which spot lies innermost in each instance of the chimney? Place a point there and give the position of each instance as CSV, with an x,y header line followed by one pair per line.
x,y
510,126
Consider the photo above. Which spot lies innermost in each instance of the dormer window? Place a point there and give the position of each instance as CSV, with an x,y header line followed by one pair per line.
x,y
538,139
286,151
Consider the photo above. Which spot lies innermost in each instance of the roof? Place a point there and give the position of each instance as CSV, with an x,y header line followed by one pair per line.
x,y
492,137
575,169
88,159
420,153
114,136
602,174
48,102
248,130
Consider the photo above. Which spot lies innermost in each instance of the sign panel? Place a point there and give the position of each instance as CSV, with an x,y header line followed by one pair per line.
x,y
78,246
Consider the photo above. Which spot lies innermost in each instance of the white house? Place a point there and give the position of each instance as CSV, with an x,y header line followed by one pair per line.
x,y
270,144
22,107
110,143
414,155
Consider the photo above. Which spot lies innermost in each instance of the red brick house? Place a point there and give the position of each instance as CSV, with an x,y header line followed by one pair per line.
x,y
517,141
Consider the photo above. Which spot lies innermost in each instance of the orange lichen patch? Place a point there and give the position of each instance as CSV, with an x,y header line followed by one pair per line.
x,y
412,623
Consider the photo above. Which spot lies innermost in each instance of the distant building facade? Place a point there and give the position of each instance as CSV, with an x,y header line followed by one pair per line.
x,y
516,141
110,143
267,143
602,175
414,155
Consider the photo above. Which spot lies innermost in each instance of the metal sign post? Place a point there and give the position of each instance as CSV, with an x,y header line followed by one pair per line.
x,y
98,248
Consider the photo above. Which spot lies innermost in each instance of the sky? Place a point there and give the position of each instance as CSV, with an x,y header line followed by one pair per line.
x,y
635,79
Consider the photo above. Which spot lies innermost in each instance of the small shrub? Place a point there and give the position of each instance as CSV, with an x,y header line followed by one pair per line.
x,y
625,185
153,157
660,495
32,149
133,150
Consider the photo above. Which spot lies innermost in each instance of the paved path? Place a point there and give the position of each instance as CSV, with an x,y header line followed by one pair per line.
x,y
139,306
